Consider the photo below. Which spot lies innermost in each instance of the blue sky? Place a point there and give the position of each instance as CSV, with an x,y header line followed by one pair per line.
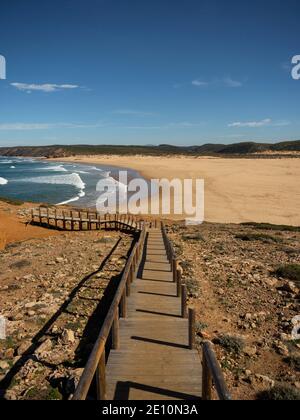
x,y
148,72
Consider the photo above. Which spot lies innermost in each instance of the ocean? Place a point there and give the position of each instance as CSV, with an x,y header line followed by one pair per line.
x,y
57,183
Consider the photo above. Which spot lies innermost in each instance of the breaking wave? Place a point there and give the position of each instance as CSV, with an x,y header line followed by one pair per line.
x,y
3,181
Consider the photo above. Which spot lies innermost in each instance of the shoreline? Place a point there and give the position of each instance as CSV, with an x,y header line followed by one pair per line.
x,y
236,190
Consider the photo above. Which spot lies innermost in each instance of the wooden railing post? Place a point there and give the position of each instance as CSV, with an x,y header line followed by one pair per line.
x,y
55,217
174,269
101,378
178,283
116,331
183,301
192,320
123,306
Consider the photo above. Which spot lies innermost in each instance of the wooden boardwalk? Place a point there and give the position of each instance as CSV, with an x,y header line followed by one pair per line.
x,y
153,361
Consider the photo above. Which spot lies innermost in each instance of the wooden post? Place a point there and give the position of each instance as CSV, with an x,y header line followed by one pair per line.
x,y
80,222
116,331
123,306
64,220
72,220
55,216
174,269
40,216
178,283
32,216
206,380
132,272
101,379
183,301
192,320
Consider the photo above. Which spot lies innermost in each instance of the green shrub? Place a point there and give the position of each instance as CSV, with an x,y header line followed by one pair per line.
x,y
193,287
53,394
289,271
230,343
280,393
269,226
294,362
193,237
200,326
258,237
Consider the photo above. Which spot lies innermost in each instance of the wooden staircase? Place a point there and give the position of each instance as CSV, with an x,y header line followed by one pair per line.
x,y
154,361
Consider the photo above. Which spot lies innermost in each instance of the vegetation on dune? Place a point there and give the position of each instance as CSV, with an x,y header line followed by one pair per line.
x,y
245,148
269,226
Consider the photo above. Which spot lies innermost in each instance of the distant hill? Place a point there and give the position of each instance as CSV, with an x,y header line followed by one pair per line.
x,y
236,149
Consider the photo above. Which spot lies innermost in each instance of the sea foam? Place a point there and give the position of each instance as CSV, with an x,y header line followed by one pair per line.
x,y
3,181
70,179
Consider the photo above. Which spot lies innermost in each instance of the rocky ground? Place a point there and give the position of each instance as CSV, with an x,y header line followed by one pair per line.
x,y
243,305
53,291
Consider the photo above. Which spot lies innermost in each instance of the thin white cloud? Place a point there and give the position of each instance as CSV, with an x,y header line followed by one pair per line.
x,y
24,126
200,83
183,124
46,87
228,81
262,123
225,82
45,126
251,124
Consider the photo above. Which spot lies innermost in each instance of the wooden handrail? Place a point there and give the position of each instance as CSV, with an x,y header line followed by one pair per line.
x,y
88,218
168,244
212,374
95,361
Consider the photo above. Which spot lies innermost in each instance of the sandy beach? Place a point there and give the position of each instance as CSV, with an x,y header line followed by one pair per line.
x,y
236,190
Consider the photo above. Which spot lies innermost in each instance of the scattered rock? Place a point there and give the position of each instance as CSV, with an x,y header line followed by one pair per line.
x,y
68,336
10,395
4,365
45,347
250,351
9,353
265,381
282,349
